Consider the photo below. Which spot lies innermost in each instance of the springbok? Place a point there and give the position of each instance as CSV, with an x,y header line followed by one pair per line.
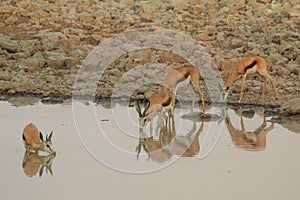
x,y
186,75
33,139
245,66
159,103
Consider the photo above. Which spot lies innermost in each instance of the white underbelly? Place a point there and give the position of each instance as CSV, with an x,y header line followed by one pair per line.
x,y
252,70
183,83
167,108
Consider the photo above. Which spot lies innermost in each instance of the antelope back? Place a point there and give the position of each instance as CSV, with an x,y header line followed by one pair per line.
x,y
31,135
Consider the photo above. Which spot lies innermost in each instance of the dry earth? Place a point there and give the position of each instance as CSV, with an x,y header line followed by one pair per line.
x,y
43,42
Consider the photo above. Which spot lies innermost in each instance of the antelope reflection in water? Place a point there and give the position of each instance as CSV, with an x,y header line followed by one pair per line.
x,y
168,143
248,140
34,163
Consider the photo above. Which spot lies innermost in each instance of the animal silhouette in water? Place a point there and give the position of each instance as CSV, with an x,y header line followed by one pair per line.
x,y
168,144
34,163
248,140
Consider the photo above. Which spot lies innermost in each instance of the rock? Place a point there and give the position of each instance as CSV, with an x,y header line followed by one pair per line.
x,y
50,79
24,87
32,64
5,76
11,92
51,41
126,3
19,56
23,101
30,46
52,100
290,107
291,122
5,63
290,52
179,4
237,43
282,72
295,11
294,69
8,44
277,7
268,12
56,62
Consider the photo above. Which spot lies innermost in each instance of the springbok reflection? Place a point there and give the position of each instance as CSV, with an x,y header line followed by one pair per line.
x,y
168,143
188,145
34,163
248,140
157,149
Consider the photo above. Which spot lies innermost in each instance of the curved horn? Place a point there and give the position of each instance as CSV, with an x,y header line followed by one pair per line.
x,y
50,136
138,108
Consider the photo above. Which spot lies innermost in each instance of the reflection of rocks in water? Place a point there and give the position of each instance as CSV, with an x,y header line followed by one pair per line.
x,y
198,116
248,113
23,100
292,122
34,163
52,100
106,103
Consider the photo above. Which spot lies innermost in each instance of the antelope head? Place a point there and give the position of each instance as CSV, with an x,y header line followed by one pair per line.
x,y
47,144
146,116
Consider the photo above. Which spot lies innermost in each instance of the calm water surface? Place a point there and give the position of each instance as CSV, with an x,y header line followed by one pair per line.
x,y
252,159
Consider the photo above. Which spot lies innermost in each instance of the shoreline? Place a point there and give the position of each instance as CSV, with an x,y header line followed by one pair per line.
x,y
60,98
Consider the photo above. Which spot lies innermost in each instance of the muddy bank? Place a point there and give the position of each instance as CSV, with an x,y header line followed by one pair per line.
x,y
43,43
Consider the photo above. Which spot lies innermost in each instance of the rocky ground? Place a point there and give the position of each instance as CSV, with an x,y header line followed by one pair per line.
x,y
43,42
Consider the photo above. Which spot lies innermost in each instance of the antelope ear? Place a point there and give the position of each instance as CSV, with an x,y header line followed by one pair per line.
x,y
41,136
50,136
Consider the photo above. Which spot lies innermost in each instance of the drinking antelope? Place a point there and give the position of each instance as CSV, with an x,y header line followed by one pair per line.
x,y
33,139
249,65
159,103
186,75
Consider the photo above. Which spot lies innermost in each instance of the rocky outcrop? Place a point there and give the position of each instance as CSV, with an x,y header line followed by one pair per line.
x,y
290,107
42,44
